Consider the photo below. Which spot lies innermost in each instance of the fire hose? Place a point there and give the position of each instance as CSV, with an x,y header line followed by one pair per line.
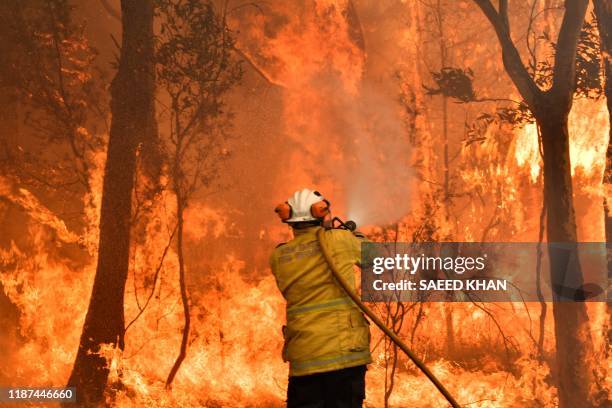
x,y
390,333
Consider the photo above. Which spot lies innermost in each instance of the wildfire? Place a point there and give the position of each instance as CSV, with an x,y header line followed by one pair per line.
x,y
527,153
588,129
346,136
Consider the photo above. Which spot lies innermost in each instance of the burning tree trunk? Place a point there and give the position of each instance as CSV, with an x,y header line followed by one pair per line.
x,y
180,211
603,12
551,109
571,319
442,44
133,121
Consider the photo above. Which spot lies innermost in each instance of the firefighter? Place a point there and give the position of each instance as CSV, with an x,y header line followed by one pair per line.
x,y
327,338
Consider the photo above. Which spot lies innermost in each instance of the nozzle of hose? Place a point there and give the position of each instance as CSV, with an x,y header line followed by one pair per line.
x,y
351,225
348,225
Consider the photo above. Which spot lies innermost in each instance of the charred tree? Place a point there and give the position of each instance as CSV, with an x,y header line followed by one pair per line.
x,y
196,66
133,122
551,109
603,12
181,202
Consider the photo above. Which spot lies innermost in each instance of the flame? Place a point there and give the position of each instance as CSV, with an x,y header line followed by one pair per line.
x,y
527,153
39,212
588,129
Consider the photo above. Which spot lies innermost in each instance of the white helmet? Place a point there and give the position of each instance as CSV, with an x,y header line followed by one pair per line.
x,y
305,205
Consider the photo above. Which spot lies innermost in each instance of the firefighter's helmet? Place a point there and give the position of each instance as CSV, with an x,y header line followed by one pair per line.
x,y
303,206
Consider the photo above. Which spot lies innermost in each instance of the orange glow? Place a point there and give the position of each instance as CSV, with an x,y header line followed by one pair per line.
x,y
342,131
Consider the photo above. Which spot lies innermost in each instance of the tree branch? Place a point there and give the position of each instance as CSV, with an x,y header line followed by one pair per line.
x,y
564,74
532,50
249,60
503,12
155,276
510,55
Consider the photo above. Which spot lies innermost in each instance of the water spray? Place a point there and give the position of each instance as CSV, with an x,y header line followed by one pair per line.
x,y
351,226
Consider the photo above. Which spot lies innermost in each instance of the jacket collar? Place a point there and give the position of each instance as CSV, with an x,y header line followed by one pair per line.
x,y
305,231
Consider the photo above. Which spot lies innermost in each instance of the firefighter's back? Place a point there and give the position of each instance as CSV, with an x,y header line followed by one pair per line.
x,y
325,331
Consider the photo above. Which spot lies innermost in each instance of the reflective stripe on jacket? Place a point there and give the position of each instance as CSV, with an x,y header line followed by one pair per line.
x,y
325,331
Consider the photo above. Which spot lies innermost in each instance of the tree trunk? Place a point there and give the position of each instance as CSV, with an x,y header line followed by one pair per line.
x,y
133,121
184,296
603,12
446,190
551,109
572,338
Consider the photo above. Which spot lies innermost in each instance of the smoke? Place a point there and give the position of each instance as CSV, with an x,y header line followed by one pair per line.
x,y
378,184
355,145
370,165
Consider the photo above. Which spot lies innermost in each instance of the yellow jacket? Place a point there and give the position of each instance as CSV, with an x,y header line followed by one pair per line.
x,y
325,331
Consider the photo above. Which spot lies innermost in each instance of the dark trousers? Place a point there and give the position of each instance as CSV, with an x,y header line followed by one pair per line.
x,y
334,389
